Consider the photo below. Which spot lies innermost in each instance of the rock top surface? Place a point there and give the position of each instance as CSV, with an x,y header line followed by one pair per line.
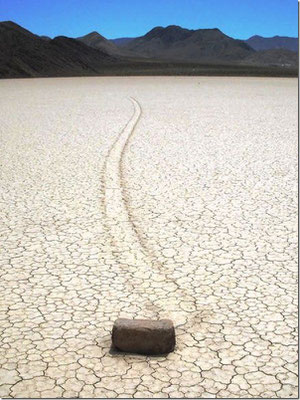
x,y
144,336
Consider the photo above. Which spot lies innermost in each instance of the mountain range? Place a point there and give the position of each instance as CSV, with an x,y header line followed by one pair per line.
x,y
23,54
176,43
275,42
256,42
173,49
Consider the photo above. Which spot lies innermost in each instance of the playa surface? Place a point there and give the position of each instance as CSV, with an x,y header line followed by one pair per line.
x,y
154,197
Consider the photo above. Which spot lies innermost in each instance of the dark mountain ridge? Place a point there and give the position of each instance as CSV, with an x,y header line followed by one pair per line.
x,y
24,54
162,51
12,26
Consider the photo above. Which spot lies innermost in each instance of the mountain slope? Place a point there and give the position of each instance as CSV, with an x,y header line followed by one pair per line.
x,y
275,42
273,57
176,43
25,54
12,26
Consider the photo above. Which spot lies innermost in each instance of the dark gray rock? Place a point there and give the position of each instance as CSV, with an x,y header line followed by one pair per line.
x,y
144,336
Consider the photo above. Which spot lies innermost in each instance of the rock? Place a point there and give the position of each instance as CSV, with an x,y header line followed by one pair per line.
x,y
144,336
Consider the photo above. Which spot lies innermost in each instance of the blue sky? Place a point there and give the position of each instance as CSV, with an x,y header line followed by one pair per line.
x,y
121,18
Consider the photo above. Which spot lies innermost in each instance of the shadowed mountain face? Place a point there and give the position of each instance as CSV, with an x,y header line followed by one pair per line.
x,y
24,54
276,42
176,43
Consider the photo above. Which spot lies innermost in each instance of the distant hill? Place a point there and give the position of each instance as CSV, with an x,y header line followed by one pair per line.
x,y
97,41
121,41
24,54
176,43
275,42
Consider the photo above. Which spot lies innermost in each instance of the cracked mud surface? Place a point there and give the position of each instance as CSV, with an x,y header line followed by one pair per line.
x,y
149,198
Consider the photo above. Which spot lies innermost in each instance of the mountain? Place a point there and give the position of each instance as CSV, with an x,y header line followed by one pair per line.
x,y
12,26
97,41
176,43
121,41
162,51
275,42
273,57
24,54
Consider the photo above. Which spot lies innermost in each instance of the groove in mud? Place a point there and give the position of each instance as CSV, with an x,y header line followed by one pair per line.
x,y
127,239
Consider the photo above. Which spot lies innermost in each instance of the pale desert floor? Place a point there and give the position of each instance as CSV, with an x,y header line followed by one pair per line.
x,y
153,198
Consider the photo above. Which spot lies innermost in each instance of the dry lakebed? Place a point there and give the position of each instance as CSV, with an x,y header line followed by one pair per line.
x,y
149,197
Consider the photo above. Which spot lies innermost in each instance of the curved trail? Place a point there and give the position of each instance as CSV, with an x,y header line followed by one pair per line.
x,y
114,219
125,243
115,206
128,245
122,230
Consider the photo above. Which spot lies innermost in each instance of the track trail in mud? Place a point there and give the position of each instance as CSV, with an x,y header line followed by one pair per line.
x,y
126,238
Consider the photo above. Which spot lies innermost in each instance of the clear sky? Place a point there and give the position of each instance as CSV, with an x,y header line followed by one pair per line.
x,y
129,18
